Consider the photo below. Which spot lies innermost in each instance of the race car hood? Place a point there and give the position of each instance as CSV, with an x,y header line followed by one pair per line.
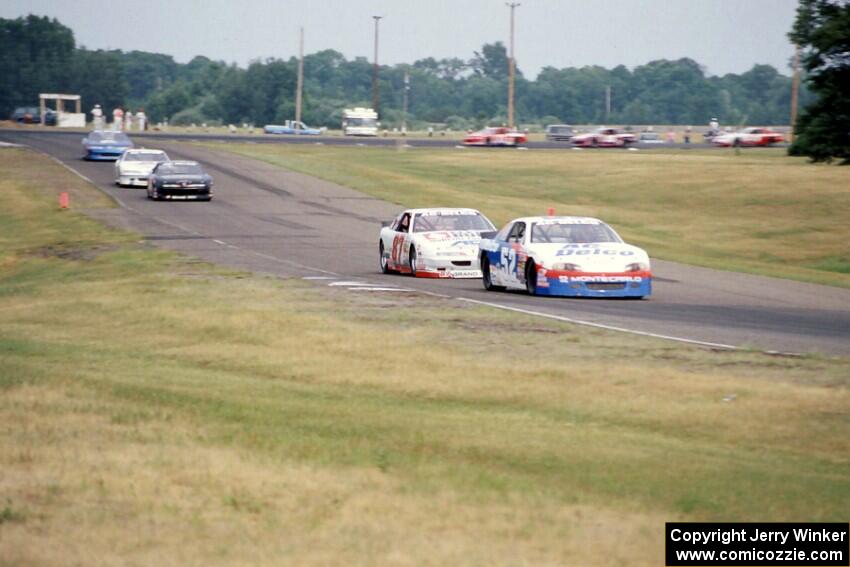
x,y
601,257
449,242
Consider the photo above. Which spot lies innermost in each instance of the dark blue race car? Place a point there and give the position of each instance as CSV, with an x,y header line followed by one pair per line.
x,y
105,145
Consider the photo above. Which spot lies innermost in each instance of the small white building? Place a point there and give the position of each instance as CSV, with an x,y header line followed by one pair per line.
x,y
76,119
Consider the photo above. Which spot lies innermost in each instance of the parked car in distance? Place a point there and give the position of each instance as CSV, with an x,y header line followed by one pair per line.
x,y
105,145
650,138
180,180
559,132
32,115
134,166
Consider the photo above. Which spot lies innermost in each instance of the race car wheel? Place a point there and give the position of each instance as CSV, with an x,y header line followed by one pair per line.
x,y
412,259
485,275
594,143
385,263
531,278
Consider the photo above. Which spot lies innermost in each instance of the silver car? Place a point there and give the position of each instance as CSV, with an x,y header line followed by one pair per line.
x,y
559,132
134,166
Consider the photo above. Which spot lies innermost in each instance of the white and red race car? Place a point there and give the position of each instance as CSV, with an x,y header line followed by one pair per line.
x,y
749,137
434,243
498,136
604,138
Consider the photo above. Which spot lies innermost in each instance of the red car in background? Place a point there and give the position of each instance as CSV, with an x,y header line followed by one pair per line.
x,y
497,136
749,137
604,138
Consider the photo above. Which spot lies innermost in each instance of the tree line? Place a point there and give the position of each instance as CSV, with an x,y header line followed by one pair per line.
x,y
38,54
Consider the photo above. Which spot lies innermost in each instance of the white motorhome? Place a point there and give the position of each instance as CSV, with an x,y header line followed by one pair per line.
x,y
359,122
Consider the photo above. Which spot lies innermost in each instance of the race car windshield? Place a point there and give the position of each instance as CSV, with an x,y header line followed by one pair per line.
x,y
145,156
560,129
368,122
568,233
177,169
108,136
429,223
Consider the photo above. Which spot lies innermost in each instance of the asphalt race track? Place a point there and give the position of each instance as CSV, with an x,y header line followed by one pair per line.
x,y
436,142
272,221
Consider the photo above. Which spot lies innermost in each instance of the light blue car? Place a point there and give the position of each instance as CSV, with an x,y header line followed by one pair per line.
x,y
290,128
105,145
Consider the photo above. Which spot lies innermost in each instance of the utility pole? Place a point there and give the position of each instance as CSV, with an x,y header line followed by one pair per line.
x,y
300,82
375,94
795,87
607,103
404,109
511,67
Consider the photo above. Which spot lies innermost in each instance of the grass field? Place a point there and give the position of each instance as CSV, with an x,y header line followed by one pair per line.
x,y
760,211
157,410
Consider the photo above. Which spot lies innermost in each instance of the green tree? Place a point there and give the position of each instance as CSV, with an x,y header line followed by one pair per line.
x,y
147,72
491,61
99,77
822,30
35,56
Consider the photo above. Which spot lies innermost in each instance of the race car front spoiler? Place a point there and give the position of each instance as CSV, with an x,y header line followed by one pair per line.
x,y
581,284
446,274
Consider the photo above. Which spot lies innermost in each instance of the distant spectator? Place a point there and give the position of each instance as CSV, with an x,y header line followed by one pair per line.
x,y
671,136
688,135
128,120
97,117
142,119
117,118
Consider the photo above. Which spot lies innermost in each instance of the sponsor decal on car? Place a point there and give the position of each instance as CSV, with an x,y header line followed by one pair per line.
x,y
466,273
569,250
600,279
462,236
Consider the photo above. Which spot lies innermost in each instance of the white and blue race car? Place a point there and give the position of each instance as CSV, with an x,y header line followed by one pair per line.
x,y
565,256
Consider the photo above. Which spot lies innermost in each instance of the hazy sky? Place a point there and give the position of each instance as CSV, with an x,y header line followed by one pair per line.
x,y
726,36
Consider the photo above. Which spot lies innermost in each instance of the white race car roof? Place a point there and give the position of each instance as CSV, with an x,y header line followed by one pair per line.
x,y
143,151
558,220
443,211
181,162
